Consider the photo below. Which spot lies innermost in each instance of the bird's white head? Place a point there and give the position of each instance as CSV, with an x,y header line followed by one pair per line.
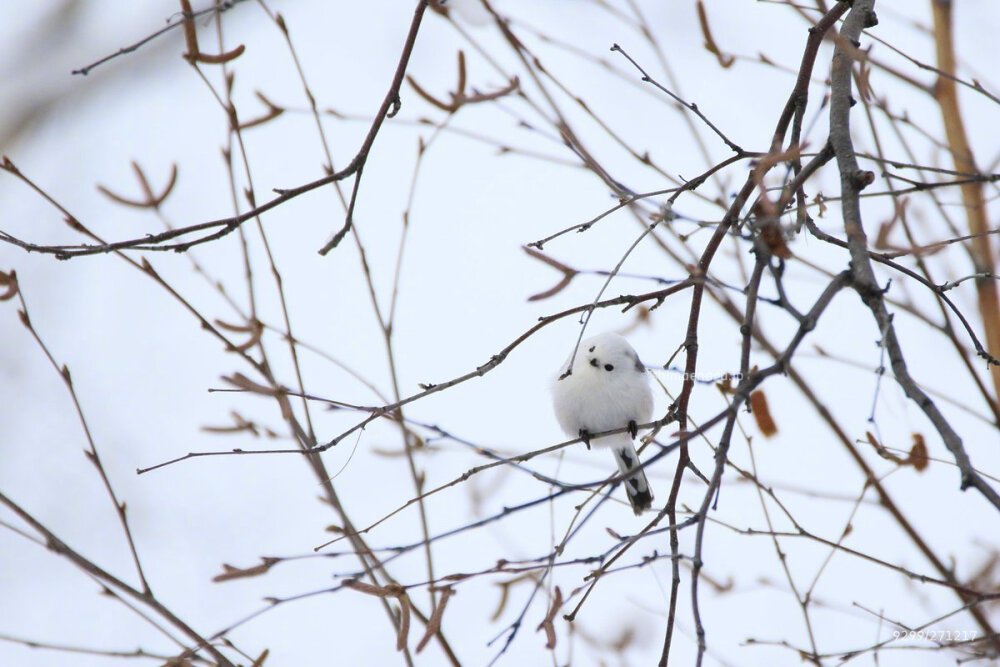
x,y
603,355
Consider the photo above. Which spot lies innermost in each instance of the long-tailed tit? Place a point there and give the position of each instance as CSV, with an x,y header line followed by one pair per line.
x,y
607,388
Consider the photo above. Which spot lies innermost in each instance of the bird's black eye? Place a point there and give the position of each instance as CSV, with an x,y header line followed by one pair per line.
x,y
592,348
609,367
594,363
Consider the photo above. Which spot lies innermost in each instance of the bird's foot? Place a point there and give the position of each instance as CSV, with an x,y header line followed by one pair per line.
x,y
585,436
633,429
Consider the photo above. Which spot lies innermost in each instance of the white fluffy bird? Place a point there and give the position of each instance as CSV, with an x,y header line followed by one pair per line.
x,y
607,388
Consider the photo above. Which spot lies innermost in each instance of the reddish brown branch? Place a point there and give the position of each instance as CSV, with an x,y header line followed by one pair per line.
x,y
390,106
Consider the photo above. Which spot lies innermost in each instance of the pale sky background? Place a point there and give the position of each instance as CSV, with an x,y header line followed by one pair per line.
x,y
142,367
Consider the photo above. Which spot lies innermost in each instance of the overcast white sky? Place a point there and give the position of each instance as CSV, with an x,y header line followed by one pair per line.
x,y
142,366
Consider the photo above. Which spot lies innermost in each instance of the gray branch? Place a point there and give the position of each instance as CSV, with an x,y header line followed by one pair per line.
x,y
852,180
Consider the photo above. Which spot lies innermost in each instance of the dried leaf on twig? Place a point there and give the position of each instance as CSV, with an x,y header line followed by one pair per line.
x,y
918,453
725,60
547,625
762,414
229,572
568,274
434,623
8,281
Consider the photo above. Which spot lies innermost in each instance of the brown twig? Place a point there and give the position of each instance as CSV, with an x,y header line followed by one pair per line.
x,y
56,545
92,454
388,109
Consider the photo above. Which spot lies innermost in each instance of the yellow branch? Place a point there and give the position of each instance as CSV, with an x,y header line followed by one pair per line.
x,y
946,94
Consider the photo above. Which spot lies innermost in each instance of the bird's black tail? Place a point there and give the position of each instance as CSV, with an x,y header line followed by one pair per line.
x,y
636,484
